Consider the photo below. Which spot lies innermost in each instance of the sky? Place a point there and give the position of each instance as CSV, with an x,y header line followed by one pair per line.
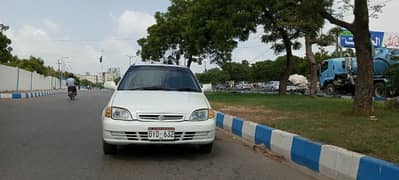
x,y
78,32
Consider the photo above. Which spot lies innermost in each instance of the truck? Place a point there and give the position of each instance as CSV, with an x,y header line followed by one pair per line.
x,y
338,75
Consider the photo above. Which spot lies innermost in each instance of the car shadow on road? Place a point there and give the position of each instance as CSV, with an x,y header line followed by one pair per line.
x,y
162,152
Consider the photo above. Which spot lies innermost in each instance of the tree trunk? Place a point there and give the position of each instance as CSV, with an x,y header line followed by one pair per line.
x,y
312,65
286,73
190,60
289,64
363,102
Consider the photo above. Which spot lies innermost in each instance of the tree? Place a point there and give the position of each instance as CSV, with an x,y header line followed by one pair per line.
x,y
393,84
263,71
213,76
280,27
197,30
237,71
310,23
5,48
362,104
117,80
334,33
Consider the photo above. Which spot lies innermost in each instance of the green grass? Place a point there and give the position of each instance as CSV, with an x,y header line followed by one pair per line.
x,y
326,120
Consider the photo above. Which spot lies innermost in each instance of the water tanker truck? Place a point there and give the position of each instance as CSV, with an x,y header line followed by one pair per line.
x,y
338,75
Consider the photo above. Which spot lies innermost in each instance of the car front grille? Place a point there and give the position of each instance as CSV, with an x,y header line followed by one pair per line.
x,y
143,136
161,117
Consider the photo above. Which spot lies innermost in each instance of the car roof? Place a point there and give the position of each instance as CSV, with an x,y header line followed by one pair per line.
x,y
159,65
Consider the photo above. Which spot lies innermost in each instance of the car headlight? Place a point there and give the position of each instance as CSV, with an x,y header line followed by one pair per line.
x,y
202,115
117,113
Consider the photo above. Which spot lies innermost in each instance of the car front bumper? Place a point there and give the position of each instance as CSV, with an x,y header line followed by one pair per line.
x,y
135,132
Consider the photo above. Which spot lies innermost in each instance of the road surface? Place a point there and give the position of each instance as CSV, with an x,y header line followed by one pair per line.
x,y
55,138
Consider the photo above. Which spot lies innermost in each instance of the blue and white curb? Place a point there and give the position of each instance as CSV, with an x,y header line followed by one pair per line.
x,y
327,160
22,95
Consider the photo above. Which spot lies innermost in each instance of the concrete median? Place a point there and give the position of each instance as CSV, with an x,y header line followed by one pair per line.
x,y
327,160
23,95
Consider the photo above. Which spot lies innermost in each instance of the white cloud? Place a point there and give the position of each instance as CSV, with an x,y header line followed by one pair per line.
x,y
39,41
134,22
50,25
48,41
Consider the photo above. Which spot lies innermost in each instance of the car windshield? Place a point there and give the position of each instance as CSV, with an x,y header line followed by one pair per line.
x,y
159,78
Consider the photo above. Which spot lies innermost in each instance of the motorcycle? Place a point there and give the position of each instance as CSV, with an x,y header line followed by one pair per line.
x,y
72,92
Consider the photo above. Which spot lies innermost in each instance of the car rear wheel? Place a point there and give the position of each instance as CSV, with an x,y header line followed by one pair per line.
x,y
379,89
109,148
330,89
205,148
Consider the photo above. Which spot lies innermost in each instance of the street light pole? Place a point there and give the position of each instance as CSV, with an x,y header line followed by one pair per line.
x,y
59,70
59,62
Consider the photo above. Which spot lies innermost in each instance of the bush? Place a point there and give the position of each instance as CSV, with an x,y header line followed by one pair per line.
x,y
392,103
393,82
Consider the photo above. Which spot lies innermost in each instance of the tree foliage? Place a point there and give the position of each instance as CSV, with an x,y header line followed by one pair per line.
x,y
393,74
196,30
5,42
213,76
260,71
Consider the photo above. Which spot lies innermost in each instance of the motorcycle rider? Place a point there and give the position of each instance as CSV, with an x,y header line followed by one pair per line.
x,y
71,84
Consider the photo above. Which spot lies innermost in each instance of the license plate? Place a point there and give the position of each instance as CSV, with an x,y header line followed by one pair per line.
x,y
161,133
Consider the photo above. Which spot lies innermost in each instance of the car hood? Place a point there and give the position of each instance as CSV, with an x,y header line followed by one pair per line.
x,y
160,102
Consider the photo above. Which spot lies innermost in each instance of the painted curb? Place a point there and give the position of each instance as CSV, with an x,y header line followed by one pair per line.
x,y
23,95
327,160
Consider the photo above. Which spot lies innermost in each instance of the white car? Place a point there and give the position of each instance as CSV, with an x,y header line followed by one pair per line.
x,y
158,104
271,85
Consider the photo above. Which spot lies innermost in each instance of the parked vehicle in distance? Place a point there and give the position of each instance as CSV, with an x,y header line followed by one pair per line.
x,y
339,74
300,82
271,86
291,87
243,85
158,104
220,87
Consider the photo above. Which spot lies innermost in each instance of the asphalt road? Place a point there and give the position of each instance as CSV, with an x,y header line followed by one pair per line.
x,y
55,138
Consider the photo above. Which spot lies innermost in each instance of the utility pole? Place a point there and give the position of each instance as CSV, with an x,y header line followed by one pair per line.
x,y
130,59
59,70
59,62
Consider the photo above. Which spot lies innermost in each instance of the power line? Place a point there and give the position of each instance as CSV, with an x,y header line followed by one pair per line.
x,y
88,40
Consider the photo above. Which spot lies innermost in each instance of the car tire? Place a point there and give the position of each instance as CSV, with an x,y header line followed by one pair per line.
x,y
205,148
379,89
109,148
330,89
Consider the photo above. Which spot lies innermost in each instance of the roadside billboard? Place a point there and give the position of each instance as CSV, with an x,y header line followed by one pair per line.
x,y
346,39
391,40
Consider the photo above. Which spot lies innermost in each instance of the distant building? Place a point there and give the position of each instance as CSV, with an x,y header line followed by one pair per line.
x,y
87,76
101,77
112,74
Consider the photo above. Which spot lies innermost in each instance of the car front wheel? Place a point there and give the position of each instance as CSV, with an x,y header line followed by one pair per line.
x,y
109,148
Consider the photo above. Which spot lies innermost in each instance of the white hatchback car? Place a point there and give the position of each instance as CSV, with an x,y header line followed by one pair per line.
x,y
158,104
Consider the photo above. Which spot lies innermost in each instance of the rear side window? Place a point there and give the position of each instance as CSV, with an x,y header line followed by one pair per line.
x,y
159,78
